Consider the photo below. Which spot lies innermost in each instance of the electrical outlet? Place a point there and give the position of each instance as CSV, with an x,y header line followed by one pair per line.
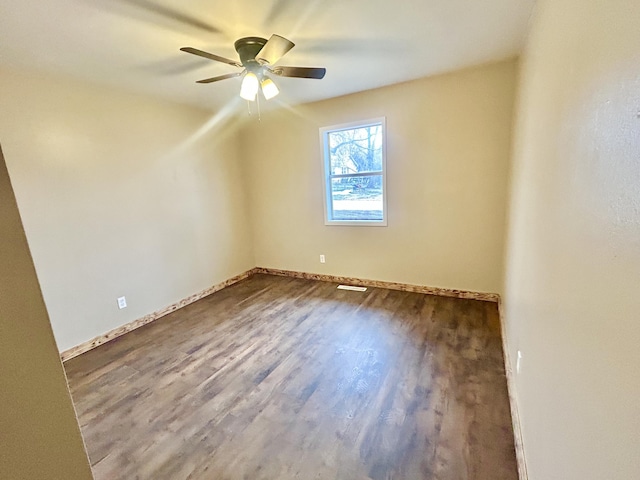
x,y
519,361
122,302
322,259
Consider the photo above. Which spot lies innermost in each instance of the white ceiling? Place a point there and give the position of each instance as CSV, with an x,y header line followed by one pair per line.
x,y
134,44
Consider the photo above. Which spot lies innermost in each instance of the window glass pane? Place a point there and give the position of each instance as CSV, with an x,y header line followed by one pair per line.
x,y
357,198
356,150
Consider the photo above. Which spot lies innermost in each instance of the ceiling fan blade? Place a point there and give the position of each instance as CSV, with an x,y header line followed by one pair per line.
x,y
210,56
220,77
274,49
300,72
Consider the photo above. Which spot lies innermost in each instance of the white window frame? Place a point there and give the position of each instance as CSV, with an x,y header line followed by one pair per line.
x,y
328,175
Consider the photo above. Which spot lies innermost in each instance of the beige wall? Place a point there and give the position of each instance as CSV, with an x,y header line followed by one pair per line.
x,y
39,434
120,196
573,264
448,146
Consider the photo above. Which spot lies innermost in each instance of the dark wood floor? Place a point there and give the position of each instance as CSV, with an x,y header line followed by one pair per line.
x,y
281,378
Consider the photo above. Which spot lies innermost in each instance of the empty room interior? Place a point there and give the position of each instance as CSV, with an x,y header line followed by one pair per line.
x,y
320,240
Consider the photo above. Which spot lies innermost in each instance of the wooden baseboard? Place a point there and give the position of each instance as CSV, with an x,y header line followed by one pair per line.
x,y
511,387
405,287
119,331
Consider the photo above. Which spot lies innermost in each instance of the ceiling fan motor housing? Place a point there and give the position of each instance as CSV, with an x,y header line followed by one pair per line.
x,y
248,48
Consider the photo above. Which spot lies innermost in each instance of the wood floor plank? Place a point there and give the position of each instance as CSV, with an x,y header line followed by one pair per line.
x,y
282,378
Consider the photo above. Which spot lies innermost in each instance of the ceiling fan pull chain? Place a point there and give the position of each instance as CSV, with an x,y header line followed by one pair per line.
x,y
258,99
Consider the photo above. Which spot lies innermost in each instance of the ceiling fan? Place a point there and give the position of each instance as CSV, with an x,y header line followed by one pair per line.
x,y
257,59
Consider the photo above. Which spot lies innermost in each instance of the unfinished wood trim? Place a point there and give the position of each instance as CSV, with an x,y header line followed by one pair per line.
x,y
119,331
405,287
511,388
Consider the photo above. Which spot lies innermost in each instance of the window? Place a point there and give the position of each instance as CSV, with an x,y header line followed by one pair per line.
x,y
355,173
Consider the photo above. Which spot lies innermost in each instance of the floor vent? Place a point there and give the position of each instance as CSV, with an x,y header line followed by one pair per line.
x,y
352,287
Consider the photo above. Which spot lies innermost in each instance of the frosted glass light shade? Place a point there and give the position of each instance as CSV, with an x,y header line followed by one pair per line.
x,y
249,87
269,89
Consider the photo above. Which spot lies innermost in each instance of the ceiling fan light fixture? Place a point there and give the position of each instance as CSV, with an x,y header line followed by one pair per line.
x,y
257,58
269,88
249,87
